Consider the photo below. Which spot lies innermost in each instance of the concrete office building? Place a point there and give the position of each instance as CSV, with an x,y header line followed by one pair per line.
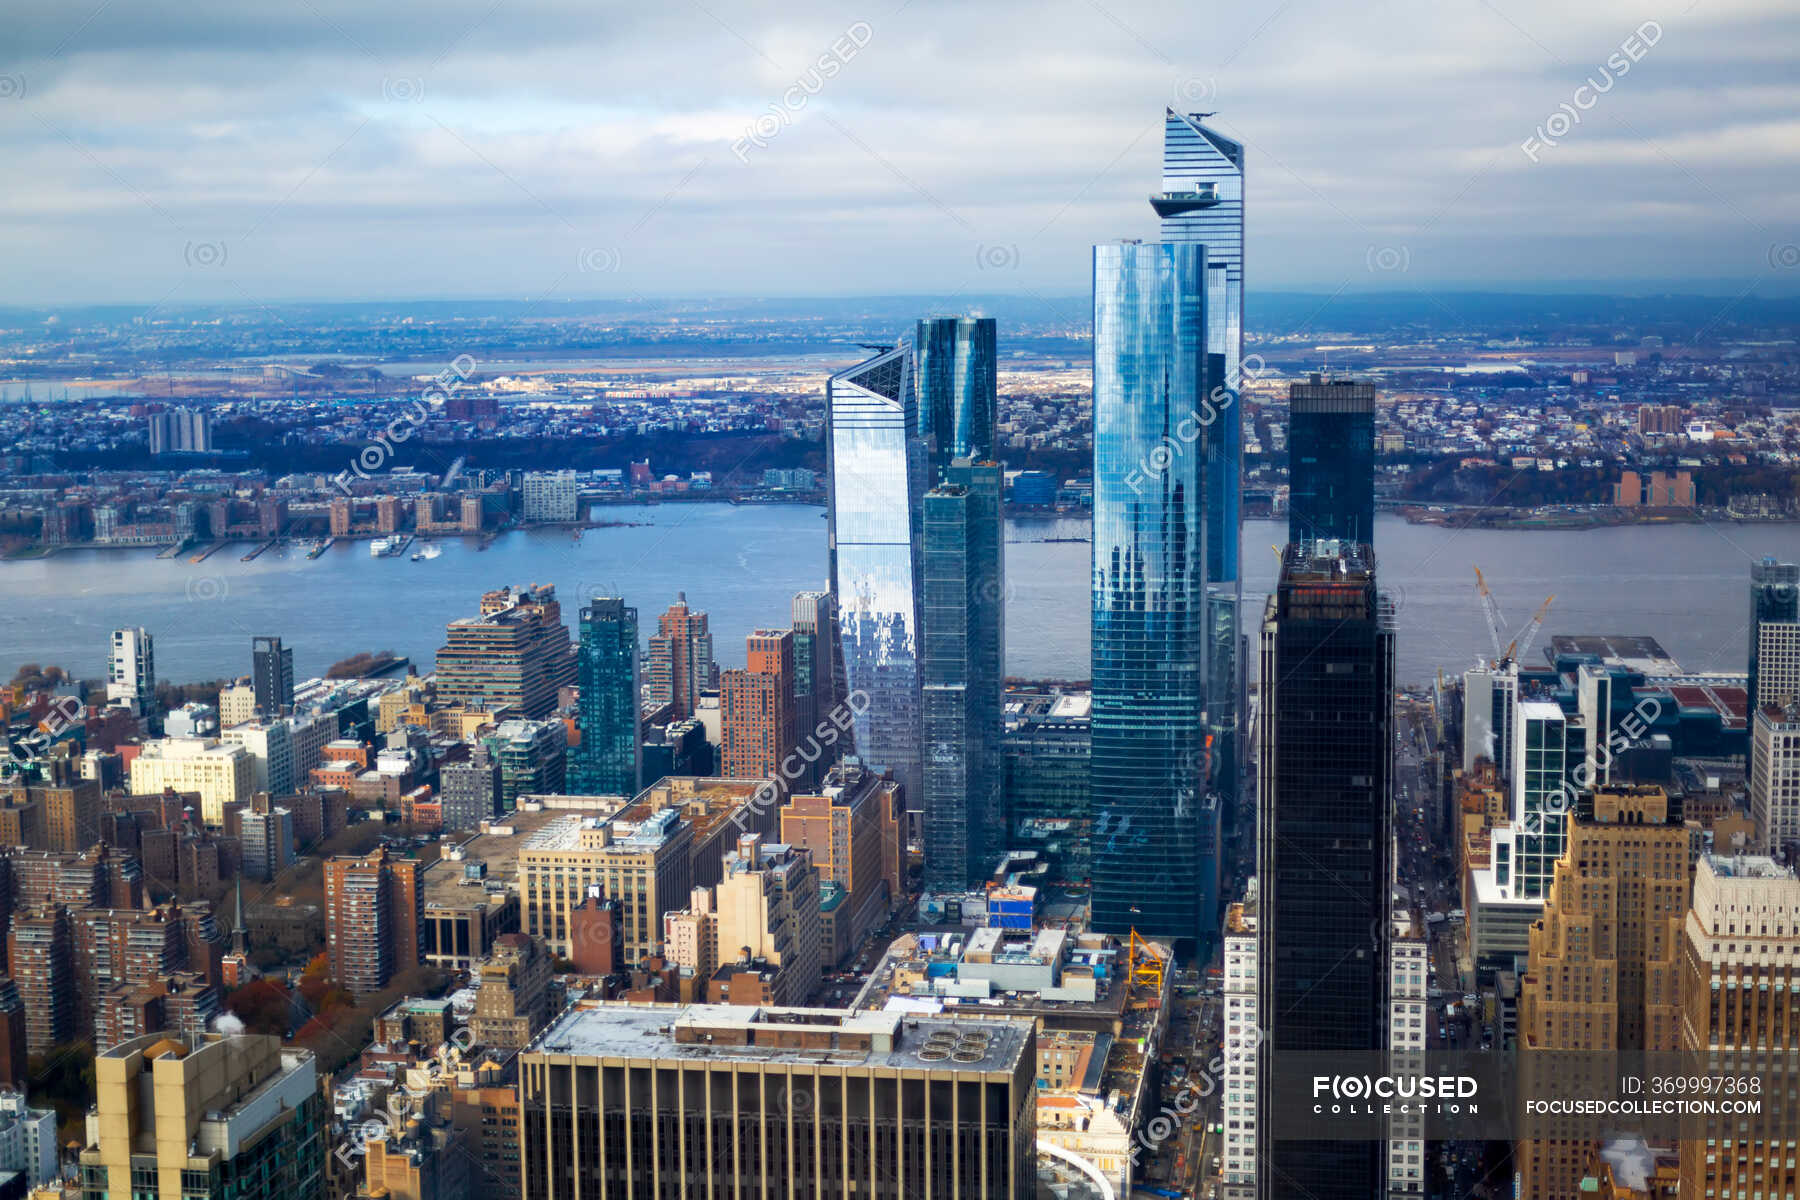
x,y
1603,967
222,774
208,1118
1739,977
633,1100
516,653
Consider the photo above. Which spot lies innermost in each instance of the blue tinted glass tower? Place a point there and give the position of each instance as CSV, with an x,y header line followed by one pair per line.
x,y
1331,461
1155,828
964,823
607,762
964,593
875,480
958,393
1202,201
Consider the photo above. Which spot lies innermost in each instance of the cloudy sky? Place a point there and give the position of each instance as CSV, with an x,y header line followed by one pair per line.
x,y
202,150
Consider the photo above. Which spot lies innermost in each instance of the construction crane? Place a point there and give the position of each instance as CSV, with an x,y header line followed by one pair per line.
x,y
1490,608
1521,645
1147,963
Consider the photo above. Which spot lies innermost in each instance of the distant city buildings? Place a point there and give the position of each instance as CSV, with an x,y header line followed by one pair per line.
x,y
515,654
272,675
680,659
180,431
608,760
131,670
550,496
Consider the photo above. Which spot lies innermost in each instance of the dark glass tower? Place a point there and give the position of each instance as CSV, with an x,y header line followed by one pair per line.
x,y
1324,845
1331,461
1047,808
958,394
271,675
607,761
1155,828
1202,201
964,594
875,477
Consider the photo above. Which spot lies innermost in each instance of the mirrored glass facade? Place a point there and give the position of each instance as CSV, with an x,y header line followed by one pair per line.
x,y
965,821
958,411
875,478
1154,832
1203,201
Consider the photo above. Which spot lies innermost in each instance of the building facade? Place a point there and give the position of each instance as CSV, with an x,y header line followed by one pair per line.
x,y
658,1099
1202,202
1155,827
271,675
1324,844
1739,978
608,762
1331,461
374,916
680,659
876,468
207,1118
131,670
963,673
515,654
1604,962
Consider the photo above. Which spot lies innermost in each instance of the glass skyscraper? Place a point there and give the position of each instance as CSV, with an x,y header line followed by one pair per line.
x,y
1325,850
958,396
1154,852
963,676
875,480
607,761
1331,461
1202,201
964,592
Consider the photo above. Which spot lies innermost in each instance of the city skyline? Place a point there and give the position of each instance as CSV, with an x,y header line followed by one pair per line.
x,y
1225,880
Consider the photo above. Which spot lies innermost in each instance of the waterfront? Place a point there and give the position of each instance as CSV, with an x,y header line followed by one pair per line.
x,y
1682,584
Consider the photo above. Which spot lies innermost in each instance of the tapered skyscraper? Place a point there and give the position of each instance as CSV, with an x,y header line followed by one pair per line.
x,y
1155,829
1203,201
875,478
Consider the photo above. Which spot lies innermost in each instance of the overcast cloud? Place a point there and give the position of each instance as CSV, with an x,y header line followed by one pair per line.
x,y
267,149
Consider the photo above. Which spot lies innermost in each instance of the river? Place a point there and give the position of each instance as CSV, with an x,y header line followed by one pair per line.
x,y
1682,584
